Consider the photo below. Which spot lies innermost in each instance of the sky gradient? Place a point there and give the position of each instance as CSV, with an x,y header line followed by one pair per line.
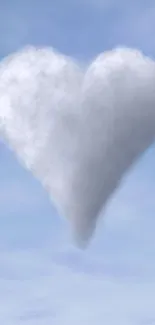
x,y
44,279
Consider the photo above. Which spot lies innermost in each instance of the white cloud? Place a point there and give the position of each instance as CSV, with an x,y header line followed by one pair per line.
x,y
113,281
78,131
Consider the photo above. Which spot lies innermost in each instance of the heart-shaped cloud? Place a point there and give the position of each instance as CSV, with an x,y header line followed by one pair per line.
x,y
78,131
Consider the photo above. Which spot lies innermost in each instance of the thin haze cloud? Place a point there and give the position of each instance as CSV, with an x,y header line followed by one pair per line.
x,y
78,131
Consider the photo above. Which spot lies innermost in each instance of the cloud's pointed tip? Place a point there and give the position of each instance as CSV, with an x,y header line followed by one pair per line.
x,y
81,242
83,232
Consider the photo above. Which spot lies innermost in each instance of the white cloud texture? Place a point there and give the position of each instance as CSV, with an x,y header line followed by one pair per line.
x,y
78,130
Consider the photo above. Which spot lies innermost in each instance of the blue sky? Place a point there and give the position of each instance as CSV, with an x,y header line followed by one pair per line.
x,y
44,279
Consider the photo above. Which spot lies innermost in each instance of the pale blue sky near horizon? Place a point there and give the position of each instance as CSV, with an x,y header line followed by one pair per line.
x,y
44,279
